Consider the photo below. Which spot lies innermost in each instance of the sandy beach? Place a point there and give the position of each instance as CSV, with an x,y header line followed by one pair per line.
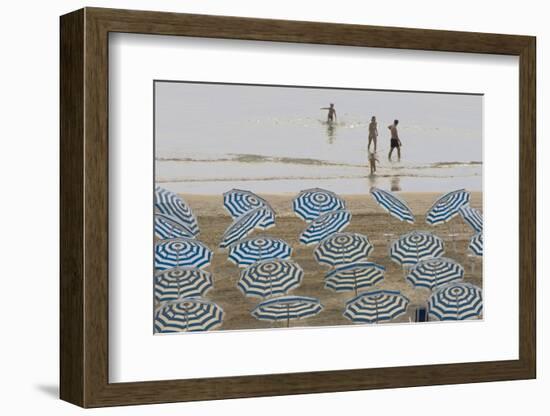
x,y
368,218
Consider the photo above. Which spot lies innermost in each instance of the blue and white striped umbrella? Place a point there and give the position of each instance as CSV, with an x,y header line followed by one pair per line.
x,y
167,202
238,202
262,218
476,244
286,308
376,306
254,249
270,278
181,252
343,248
187,315
324,226
181,282
456,302
167,226
433,273
354,276
312,203
392,204
447,206
472,217
416,246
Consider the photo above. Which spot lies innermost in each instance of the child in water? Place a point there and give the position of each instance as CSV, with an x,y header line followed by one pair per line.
x,y
372,162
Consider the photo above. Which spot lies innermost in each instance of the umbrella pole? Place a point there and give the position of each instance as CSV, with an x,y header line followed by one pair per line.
x,y
288,316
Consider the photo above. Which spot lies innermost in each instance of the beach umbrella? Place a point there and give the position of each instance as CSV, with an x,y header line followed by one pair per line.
x,y
181,282
251,250
376,306
455,302
188,314
354,276
181,252
433,273
473,217
447,206
312,203
167,202
270,278
167,227
324,226
416,246
392,204
286,308
476,244
262,218
343,248
238,202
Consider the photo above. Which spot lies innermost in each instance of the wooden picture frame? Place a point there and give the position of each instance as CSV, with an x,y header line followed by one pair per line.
x,y
84,207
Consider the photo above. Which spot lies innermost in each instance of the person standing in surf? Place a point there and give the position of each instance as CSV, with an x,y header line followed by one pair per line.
x,y
395,142
331,116
373,133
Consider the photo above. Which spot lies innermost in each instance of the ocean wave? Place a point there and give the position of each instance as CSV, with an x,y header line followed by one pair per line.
x,y
254,158
282,178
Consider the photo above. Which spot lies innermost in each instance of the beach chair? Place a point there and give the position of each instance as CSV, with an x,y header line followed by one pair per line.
x,y
421,314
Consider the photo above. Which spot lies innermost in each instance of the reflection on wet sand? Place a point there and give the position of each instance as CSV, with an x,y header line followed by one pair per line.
x,y
395,184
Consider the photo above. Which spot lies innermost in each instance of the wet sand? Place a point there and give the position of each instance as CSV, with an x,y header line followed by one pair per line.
x,y
368,218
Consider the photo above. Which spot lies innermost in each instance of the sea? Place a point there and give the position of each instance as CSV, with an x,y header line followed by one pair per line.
x,y
210,138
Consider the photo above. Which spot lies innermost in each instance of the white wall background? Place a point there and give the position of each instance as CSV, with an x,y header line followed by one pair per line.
x,y
29,210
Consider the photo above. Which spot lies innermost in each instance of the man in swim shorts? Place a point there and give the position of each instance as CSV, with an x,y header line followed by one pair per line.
x,y
395,142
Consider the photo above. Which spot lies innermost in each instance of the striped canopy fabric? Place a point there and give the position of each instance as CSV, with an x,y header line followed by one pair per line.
x,y
324,226
376,306
251,250
286,308
238,202
268,278
312,203
416,246
167,226
392,204
187,315
447,206
181,252
456,302
472,217
354,276
181,282
262,218
343,248
167,202
476,244
433,273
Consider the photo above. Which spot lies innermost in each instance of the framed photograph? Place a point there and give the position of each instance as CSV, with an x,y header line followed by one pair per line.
x,y
255,207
